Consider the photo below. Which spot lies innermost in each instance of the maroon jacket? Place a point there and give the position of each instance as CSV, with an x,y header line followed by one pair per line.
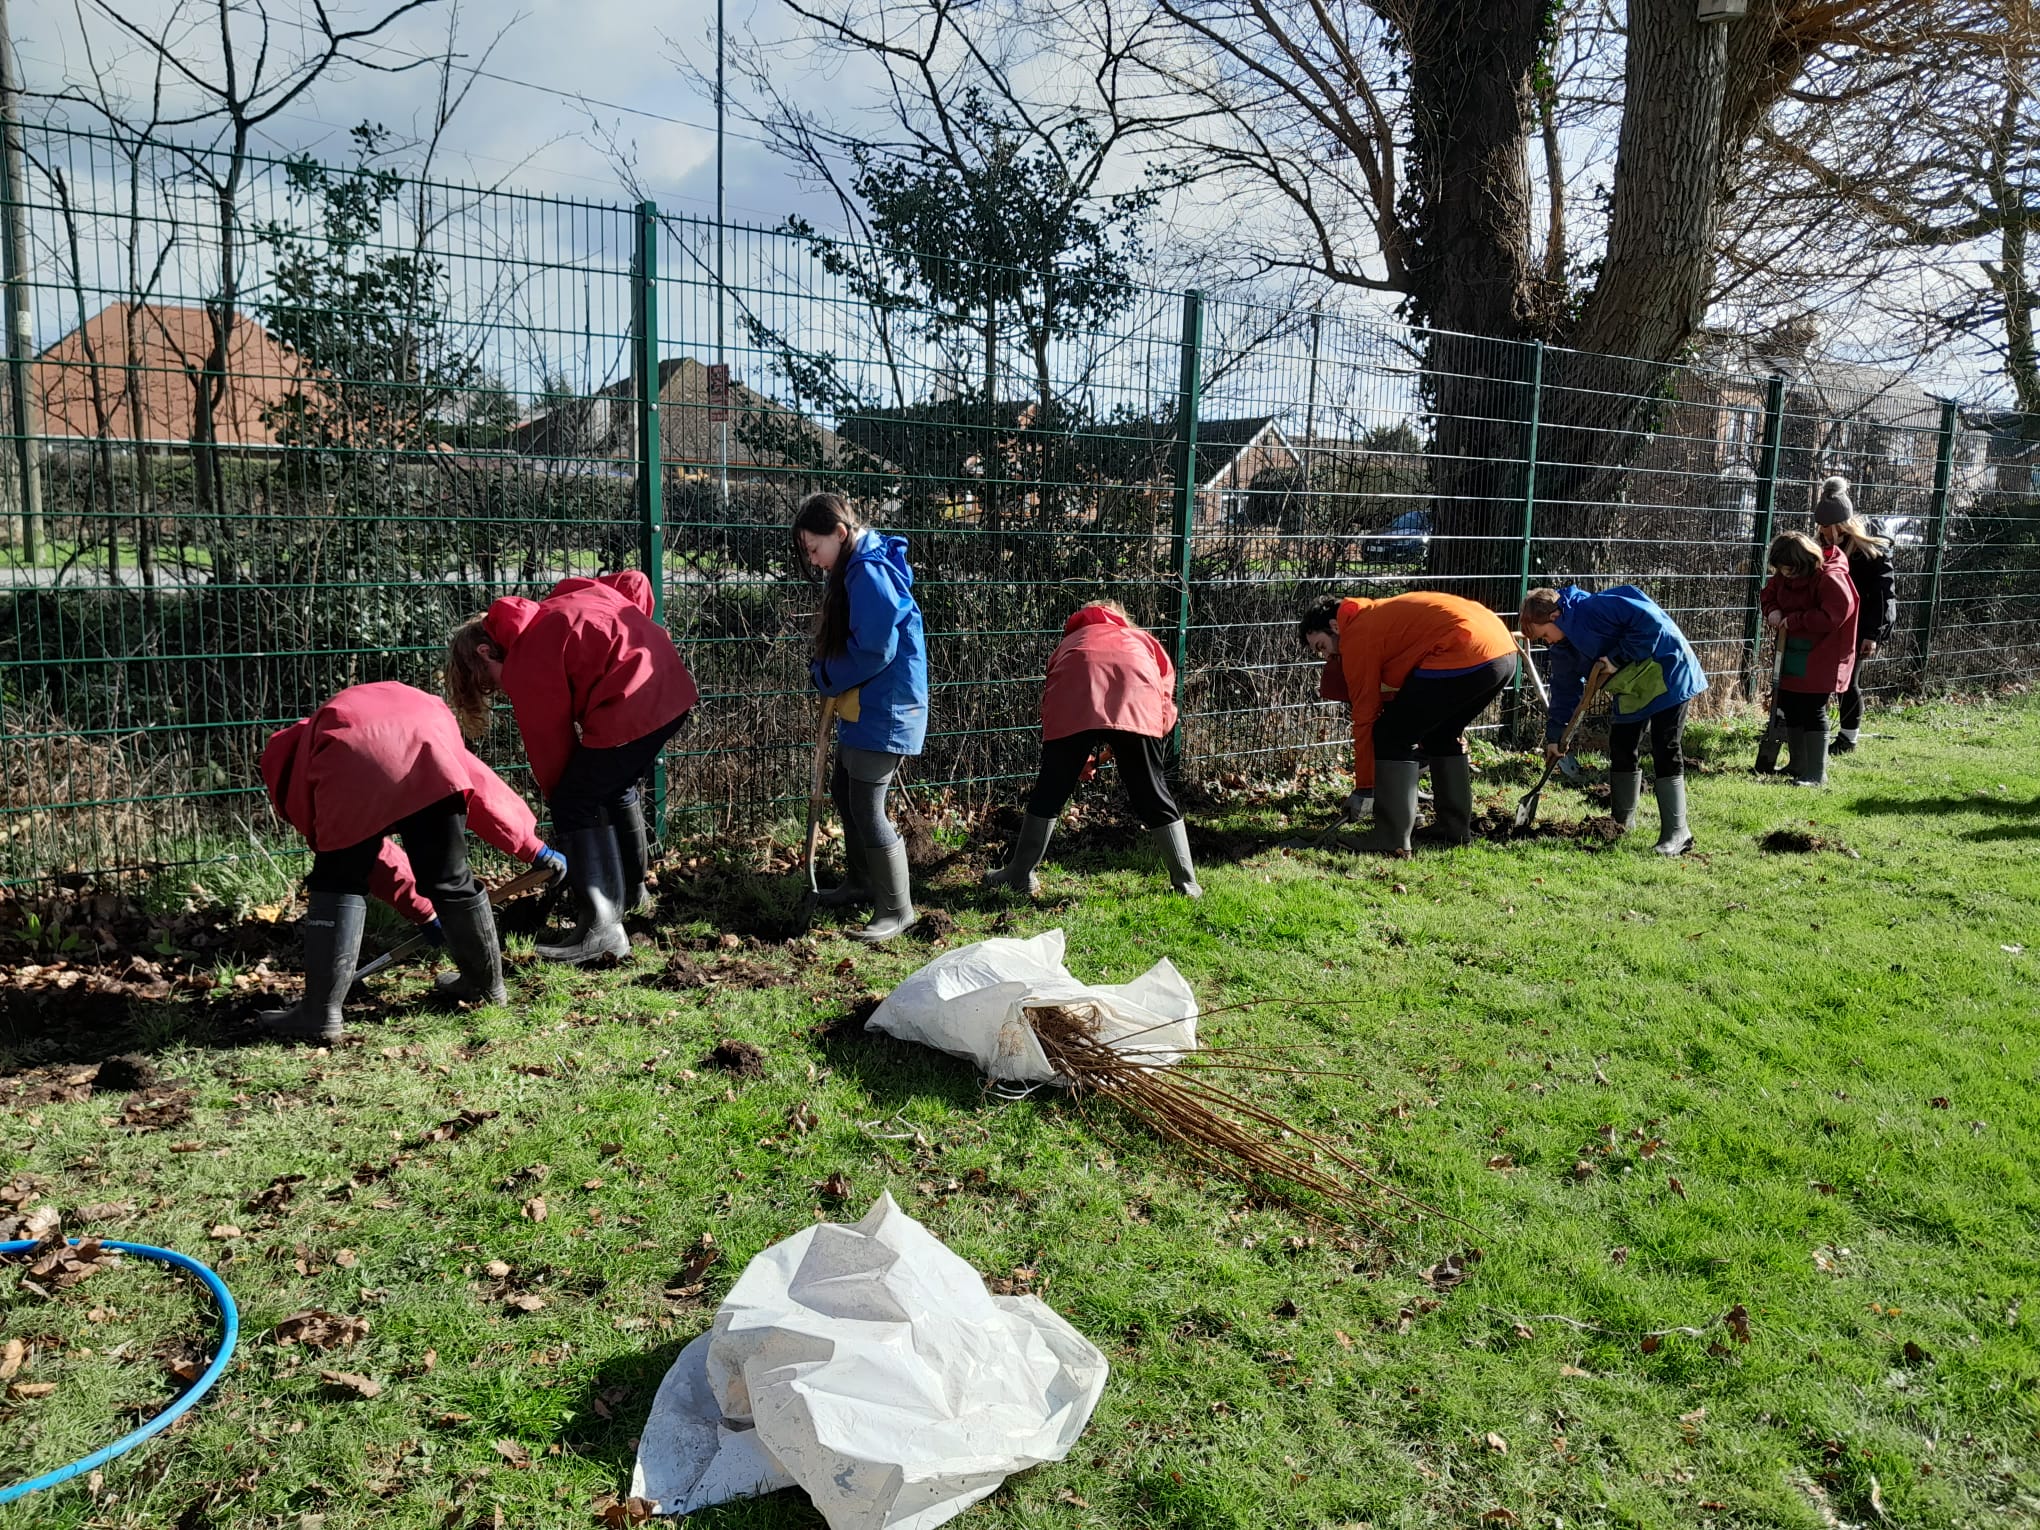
x,y
1820,626
378,753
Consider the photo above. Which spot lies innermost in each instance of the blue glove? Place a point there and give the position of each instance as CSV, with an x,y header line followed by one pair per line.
x,y
549,859
434,933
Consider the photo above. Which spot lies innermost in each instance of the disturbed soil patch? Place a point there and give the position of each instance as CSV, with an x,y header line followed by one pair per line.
x,y
738,1057
1800,842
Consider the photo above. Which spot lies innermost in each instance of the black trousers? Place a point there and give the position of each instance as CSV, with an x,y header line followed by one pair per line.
x,y
435,843
1428,717
1804,709
599,780
1852,700
1139,758
1667,735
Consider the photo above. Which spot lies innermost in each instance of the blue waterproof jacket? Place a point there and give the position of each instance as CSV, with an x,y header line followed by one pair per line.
x,y
886,661
1655,667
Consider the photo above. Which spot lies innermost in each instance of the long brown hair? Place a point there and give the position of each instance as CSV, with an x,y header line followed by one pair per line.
x,y
1856,540
468,686
1795,555
822,515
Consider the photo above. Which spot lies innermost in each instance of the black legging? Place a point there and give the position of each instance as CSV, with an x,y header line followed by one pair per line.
x,y
1139,758
597,782
1852,700
1667,735
1428,717
435,843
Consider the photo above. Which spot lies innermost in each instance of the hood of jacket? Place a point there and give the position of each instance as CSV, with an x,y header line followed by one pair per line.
x,y
889,553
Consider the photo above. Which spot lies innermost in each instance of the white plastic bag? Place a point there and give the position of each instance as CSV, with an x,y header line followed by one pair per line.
x,y
970,1002
868,1366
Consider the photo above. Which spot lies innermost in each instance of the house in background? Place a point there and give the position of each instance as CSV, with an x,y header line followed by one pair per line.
x,y
149,392
764,437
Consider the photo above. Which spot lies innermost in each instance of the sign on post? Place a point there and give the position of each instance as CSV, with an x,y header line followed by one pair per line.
x,y
718,392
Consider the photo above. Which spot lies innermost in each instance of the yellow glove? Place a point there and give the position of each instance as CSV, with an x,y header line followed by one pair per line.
x,y
846,705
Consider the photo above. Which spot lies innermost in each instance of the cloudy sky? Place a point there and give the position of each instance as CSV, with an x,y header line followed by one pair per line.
x,y
568,82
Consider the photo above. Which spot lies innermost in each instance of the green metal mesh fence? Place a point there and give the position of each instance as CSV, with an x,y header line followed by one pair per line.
x,y
257,469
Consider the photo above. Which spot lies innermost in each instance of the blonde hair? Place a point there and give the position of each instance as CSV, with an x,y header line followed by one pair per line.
x,y
468,684
1857,541
1108,604
1795,555
1538,606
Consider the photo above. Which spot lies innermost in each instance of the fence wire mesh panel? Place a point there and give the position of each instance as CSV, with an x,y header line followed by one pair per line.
x,y
285,423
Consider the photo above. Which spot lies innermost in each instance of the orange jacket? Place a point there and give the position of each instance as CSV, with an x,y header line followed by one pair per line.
x,y
1383,642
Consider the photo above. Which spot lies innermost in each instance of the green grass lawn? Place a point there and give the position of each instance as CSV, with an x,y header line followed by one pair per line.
x,y
1747,1140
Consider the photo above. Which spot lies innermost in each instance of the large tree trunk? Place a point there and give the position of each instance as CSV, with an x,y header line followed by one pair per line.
x,y
1602,395
1470,273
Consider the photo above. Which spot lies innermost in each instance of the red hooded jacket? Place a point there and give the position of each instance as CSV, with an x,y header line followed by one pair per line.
x,y
1820,626
1107,673
588,656
376,754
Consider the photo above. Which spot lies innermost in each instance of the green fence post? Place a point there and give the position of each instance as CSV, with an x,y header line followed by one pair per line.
x,y
1767,503
1513,709
651,485
1944,474
1189,399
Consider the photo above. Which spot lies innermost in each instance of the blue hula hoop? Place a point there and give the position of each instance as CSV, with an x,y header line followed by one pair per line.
x,y
230,1330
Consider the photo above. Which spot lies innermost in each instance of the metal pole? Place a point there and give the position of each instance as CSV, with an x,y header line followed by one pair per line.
x,y
1189,399
721,291
651,487
1944,473
1530,467
1512,708
1317,324
19,317
1767,500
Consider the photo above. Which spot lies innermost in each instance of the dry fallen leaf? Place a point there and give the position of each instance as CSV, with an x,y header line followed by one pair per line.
x,y
1738,1320
11,1358
1500,1517
525,1302
347,1381
28,1389
316,1328
835,1188
496,1269
534,1208
1497,1444
1672,1183
1573,1370
514,1453
1652,1343
224,1231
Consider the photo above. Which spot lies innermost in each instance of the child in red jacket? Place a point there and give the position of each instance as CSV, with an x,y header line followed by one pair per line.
x,y
1109,682
376,761
1811,602
597,688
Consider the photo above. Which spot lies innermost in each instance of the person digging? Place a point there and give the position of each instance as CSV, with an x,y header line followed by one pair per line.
x,y
1656,677
378,764
1439,661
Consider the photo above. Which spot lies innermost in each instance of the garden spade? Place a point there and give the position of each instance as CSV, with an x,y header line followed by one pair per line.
x,y
818,790
1526,810
516,887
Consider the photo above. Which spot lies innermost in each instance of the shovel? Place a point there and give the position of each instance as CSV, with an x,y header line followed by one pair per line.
x,y
1530,668
516,887
818,791
1526,810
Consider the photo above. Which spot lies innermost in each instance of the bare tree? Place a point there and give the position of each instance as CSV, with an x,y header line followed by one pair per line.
x,y
1915,162
250,84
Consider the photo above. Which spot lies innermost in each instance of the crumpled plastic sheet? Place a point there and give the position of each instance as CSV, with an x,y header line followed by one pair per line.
x,y
972,1003
868,1366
